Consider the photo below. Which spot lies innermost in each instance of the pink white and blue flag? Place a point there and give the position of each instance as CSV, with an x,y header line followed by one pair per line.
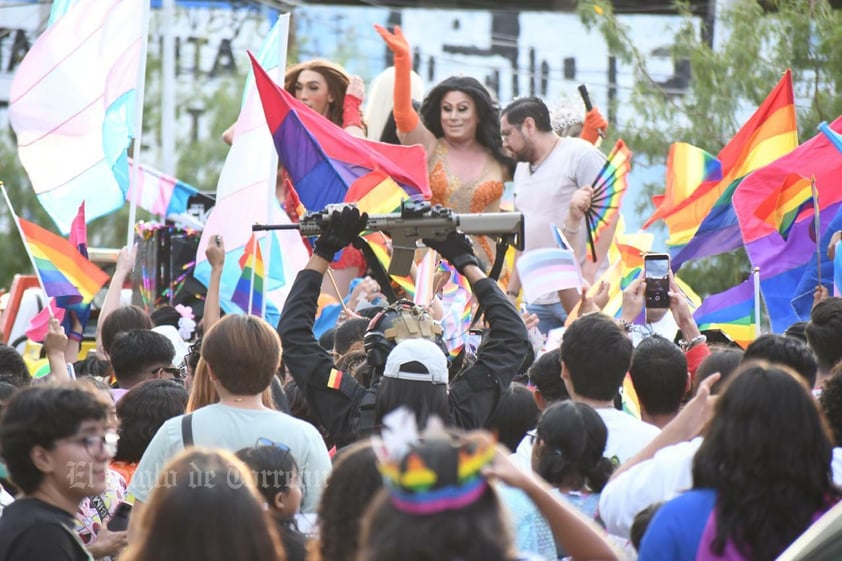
x,y
243,197
547,270
72,102
157,192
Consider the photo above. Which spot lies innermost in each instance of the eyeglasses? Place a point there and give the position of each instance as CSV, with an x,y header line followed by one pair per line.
x,y
172,370
533,435
97,445
266,442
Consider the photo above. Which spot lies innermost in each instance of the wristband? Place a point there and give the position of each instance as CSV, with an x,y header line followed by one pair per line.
x,y
75,336
687,345
351,112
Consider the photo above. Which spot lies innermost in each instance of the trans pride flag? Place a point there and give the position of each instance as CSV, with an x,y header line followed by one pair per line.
x,y
71,104
158,192
245,195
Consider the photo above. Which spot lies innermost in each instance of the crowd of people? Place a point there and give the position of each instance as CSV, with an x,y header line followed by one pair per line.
x,y
373,441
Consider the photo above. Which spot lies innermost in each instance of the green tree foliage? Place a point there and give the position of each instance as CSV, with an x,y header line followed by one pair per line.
x,y
754,43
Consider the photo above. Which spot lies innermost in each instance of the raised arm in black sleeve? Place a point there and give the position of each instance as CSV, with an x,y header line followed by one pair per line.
x,y
474,393
333,396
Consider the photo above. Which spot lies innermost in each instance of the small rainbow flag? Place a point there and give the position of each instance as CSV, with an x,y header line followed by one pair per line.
x,y
250,285
732,312
62,269
609,187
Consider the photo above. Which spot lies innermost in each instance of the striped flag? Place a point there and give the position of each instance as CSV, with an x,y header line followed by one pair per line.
x,y
547,270
249,289
61,268
158,192
71,104
732,312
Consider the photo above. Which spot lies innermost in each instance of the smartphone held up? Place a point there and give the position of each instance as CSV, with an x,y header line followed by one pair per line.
x,y
656,269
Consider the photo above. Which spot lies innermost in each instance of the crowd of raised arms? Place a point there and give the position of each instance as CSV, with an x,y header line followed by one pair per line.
x,y
555,431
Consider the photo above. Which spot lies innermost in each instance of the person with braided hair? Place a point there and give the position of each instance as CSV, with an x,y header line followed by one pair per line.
x,y
404,348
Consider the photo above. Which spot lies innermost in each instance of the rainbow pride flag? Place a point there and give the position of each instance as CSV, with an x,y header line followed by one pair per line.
x,y
732,312
250,285
781,208
769,134
687,168
61,268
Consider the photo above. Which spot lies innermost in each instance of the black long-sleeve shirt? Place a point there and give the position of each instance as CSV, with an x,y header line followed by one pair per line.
x,y
335,397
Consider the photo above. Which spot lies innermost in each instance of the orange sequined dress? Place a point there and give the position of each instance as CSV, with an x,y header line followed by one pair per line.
x,y
479,195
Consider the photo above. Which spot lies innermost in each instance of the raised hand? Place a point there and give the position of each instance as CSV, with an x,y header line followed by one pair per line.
x,y
396,41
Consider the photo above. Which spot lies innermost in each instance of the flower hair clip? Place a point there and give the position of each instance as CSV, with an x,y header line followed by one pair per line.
x,y
187,321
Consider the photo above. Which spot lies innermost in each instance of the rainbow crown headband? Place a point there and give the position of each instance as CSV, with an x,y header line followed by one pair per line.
x,y
434,472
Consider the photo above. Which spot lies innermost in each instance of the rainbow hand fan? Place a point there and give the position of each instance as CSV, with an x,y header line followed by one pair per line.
x,y
609,186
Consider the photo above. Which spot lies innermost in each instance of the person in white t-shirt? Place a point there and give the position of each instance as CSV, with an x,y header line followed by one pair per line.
x,y
552,188
595,356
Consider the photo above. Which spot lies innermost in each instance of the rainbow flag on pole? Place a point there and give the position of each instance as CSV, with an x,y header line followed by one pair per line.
x,y
248,294
61,268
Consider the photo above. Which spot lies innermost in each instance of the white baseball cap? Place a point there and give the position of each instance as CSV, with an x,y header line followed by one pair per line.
x,y
419,360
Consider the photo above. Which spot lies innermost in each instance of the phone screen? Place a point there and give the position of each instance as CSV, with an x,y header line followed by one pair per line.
x,y
656,270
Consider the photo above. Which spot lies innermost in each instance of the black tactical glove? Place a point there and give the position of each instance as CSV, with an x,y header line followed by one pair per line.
x,y
456,248
343,227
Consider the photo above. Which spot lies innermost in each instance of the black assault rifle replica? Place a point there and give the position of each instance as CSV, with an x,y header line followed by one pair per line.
x,y
417,220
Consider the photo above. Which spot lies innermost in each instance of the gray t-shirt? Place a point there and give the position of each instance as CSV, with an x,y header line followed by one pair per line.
x,y
231,428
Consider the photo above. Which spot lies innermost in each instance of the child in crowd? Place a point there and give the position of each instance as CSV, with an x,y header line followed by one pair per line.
x,y
276,475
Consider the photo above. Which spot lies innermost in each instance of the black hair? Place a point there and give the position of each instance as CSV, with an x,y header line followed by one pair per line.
x,y
597,354
142,411
39,416
165,315
348,334
299,408
425,399
787,351
824,332
659,374
545,375
273,468
13,369
572,439
390,128
476,532
488,114
134,352
515,414
767,454
831,404
641,523
723,360
121,320
352,483
518,110
797,331
92,366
